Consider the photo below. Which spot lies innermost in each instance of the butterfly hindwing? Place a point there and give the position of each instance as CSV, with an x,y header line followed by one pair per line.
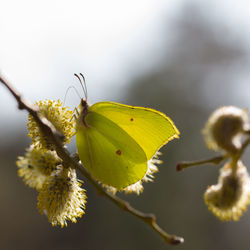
x,y
109,153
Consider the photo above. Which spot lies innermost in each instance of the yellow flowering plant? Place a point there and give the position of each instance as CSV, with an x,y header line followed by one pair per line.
x,y
61,197
227,131
60,116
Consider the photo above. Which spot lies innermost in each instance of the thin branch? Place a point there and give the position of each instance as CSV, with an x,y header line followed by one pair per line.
x,y
55,137
214,160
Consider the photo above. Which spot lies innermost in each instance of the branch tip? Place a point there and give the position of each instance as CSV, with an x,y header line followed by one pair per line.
x,y
178,167
175,240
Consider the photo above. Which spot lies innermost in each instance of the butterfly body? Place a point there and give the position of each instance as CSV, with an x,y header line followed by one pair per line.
x,y
116,141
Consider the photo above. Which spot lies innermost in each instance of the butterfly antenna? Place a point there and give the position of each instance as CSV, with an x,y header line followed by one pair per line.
x,y
83,86
70,87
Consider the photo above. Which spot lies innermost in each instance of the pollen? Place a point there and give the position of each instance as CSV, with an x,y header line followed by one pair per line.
x,y
37,165
61,198
59,116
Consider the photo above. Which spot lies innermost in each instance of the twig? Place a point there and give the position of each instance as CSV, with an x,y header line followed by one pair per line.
x,y
55,137
214,160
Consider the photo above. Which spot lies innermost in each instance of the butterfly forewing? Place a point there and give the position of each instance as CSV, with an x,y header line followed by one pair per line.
x,y
151,129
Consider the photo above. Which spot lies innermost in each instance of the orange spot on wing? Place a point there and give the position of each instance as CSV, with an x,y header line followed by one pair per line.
x,y
119,152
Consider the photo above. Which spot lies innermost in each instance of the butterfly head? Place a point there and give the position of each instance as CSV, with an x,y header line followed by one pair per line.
x,y
82,111
84,106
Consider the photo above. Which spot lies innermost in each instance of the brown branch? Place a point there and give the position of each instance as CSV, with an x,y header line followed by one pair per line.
x,y
55,138
216,159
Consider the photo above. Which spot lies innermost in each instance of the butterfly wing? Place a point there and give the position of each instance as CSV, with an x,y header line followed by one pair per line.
x,y
109,153
151,129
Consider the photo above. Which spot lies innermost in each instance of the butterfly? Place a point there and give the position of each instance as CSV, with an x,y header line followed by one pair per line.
x,y
115,141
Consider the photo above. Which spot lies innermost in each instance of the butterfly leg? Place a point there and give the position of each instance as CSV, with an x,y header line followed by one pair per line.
x,y
76,114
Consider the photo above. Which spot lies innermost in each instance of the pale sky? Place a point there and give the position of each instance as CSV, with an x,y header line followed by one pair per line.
x,y
44,42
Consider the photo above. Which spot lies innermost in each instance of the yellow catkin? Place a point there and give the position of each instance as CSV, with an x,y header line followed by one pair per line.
x,y
224,128
60,116
37,165
61,198
230,197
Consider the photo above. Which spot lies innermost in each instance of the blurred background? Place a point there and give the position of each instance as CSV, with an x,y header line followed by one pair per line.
x,y
185,58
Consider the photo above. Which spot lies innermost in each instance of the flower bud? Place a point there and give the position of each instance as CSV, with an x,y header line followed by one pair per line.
x,y
230,197
62,198
59,116
36,166
224,129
